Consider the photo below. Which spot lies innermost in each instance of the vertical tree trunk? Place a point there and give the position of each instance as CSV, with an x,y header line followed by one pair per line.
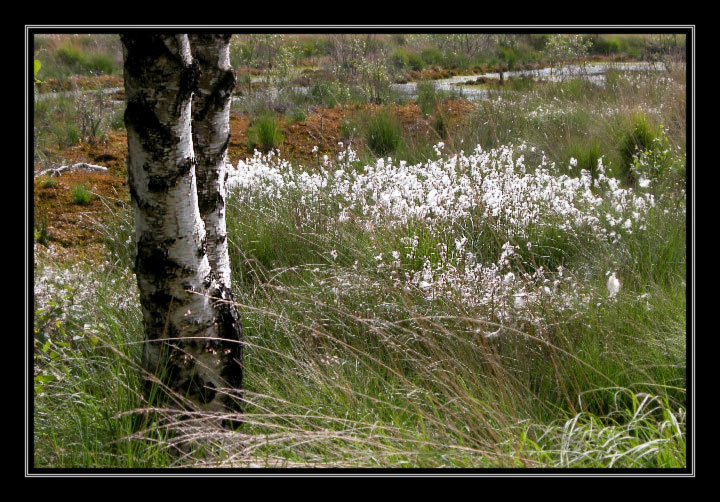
x,y
192,340
211,135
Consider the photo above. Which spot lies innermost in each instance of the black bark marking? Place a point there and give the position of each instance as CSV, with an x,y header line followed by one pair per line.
x,y
202,249
141,203
218,96
155,137
189,77
196,389
210,202
209,198
152,261
229,347
144,49
162,183
208,158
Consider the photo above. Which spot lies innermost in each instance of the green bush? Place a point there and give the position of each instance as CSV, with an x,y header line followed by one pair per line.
x,y
348,128
415,62
432,56
509,55
265,133
402,58
100,63
308,49
399,58
70,55
640,135
383,134
81,195
659,162
607,45
117,121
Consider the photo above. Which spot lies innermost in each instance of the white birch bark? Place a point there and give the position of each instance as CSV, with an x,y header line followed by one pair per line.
x,y
211,135
186,329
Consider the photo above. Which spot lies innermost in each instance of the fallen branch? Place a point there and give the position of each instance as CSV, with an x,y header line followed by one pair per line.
x,y
81,166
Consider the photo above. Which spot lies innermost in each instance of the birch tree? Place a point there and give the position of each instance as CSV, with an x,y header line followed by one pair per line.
x,y
177,121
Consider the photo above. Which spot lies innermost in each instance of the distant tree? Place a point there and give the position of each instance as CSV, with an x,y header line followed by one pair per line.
x,y
562,47
177,121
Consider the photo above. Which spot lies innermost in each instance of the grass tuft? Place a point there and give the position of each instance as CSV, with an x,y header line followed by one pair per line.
x,y
265,133
81,195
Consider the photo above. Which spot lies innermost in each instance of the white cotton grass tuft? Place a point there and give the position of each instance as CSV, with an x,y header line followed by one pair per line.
x,y
613,285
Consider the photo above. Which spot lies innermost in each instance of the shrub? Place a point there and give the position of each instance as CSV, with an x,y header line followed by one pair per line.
x,y
70,55
607,45
322,93
415,62
432,56
348,129
383,133
658,162
509,55
639,137
265,132
95,113
399,58
308,49
81,195
117,121
100,63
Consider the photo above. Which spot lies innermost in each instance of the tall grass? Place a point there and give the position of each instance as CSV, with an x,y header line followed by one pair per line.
x,y
375,340
265,133
383,133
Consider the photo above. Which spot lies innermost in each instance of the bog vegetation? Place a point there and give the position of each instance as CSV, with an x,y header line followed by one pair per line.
x,y
431,285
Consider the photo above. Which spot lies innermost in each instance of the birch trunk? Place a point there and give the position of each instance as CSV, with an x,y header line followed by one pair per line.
x,y
192,340
211,135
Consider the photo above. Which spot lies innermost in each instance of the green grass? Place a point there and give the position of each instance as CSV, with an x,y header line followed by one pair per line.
x,y
47,182
41,231
428,97
383,133
346,367
265,133
639,137
64,56
81,195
